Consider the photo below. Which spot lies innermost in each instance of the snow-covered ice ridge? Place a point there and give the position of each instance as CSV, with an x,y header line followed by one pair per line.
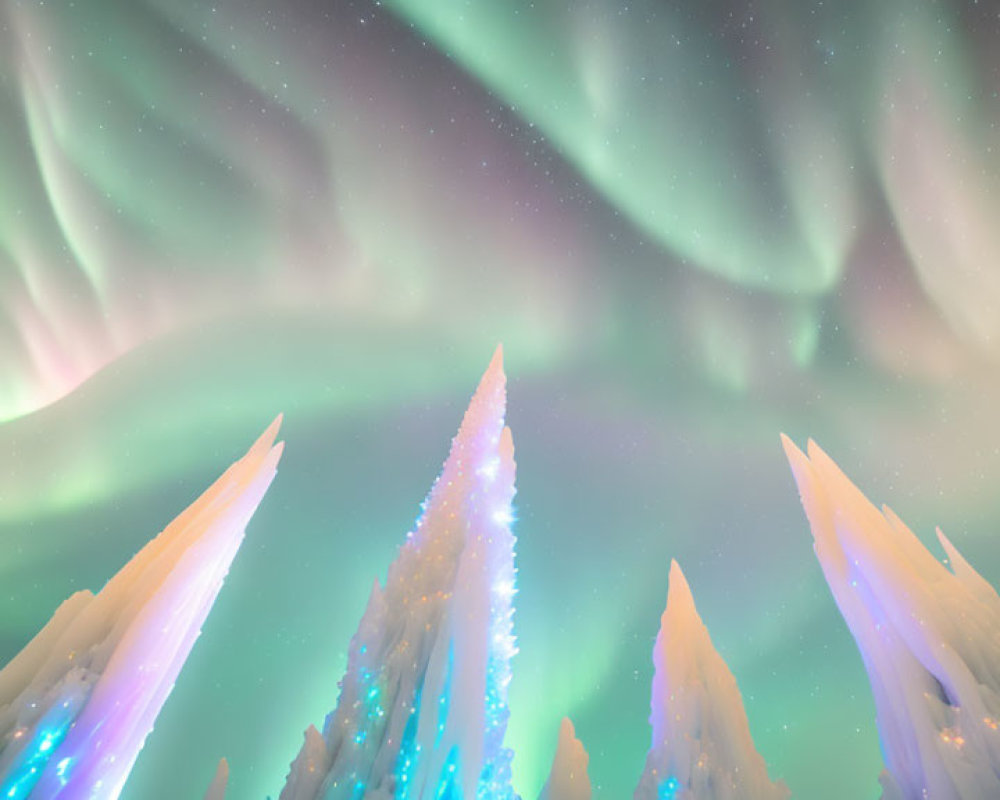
x,y
422,710
77,703
929,638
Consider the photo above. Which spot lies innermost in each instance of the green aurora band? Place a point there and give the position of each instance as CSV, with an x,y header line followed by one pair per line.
x,y
692,226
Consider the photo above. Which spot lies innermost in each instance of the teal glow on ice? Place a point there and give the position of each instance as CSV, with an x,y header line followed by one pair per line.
x,y
28,766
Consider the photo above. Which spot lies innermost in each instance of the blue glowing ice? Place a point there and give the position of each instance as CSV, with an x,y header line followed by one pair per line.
x,y
668,789
77,703
27,764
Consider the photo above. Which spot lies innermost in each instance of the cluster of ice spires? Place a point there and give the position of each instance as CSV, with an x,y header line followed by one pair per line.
x,y
77,703
422,710
929,638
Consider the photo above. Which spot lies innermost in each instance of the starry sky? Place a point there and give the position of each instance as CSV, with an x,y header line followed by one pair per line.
x,y
693,225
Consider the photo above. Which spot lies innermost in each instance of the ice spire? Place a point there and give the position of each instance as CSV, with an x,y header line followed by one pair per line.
x,y
423,706
702,748
217,788
929,638
77,703
568,779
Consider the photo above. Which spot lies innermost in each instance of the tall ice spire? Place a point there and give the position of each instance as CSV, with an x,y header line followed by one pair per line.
x,y
929,638
422,710
568,779
702,748
77,703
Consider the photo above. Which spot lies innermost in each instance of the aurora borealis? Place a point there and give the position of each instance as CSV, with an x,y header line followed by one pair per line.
x,y
692,225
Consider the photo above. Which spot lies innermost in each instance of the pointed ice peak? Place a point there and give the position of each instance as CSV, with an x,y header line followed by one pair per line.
x,y
963,570
568,779
266,440
929,637
680,602
310,767
486,410
217,788
701,748
473,464
422,709
496,362
78,702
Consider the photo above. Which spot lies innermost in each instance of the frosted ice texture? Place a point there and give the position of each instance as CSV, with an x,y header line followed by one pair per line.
x,y
929,638
701,748
423,705
77,703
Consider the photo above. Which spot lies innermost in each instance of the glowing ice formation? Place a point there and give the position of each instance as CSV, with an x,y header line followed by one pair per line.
x,y
77,703
422,709
929,637
702,748
568,779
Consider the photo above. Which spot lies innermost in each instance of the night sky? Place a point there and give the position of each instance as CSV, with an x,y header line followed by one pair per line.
x,y
693,225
